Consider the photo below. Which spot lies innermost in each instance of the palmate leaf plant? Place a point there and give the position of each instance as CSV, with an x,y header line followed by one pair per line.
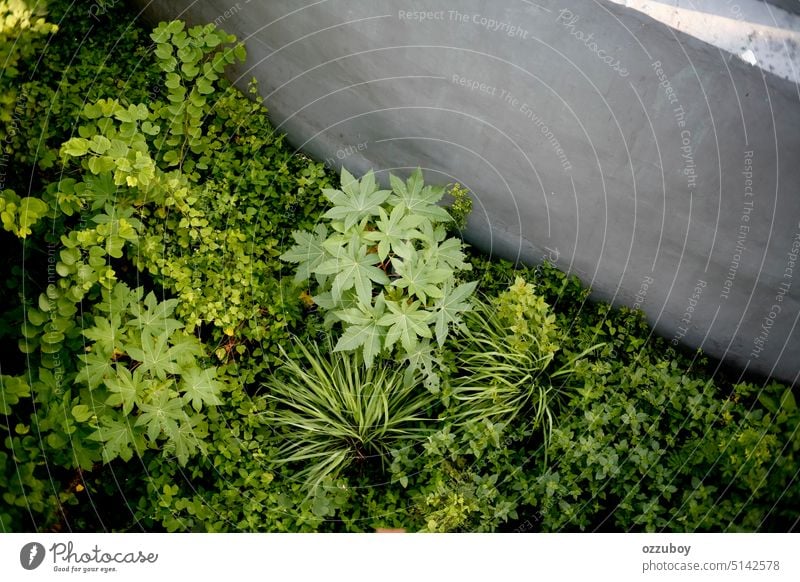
x,y
383,267
143,381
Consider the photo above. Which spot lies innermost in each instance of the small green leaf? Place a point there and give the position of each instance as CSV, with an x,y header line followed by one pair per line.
x,y
307,252
363,330
75,147
449,306
124,389
81,413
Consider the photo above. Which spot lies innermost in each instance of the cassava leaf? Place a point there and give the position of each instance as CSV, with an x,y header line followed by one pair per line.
x,y
420,278
449,306
354,267
394,229
201,387
307,252
406,322
355,200
419,199
363,330
124,388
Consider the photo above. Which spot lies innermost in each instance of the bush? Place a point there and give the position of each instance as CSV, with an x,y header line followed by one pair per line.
x,y
501,355
386,270
331,411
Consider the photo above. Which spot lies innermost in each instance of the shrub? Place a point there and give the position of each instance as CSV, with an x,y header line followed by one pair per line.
x,y
386,270
332,410
500,357
175,182
650,449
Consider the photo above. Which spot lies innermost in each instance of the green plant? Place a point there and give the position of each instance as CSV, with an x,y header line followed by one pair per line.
x,y
175,181
140,381
502,360
336,411
654,450
461,207
385,270
19,215
23,33
145,379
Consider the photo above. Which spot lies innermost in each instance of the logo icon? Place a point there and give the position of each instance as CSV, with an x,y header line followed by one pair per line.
x,y
31,555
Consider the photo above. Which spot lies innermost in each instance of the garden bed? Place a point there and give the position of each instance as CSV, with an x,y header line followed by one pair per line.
x,y
214,332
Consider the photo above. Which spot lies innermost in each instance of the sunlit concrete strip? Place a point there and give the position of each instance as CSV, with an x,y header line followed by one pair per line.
x,y
757,32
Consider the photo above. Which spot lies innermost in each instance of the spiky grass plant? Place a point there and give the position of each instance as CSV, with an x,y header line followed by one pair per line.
x,y
333,411
503,357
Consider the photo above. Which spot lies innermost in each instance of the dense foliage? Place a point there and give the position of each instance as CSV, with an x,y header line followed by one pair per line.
x,y
386,271
159,355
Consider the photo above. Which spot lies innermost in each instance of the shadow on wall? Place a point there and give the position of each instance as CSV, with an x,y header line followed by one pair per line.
x,y
659,169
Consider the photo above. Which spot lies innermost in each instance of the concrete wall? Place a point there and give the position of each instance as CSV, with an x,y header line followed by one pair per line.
x,y
788,5
660,170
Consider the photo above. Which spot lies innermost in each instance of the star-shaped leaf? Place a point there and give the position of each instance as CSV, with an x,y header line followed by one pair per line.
x,y
154,356
308,252
124,388
354,267
105,331
185,349
418,198
355,200
421,360
117,438
161,414
201,387
448,253
153,317
419,278
96,366
363,330
184,439
406,323
394,229
448,307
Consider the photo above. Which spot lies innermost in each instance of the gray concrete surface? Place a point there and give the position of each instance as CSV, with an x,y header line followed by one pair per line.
x,y
788,5
661,170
